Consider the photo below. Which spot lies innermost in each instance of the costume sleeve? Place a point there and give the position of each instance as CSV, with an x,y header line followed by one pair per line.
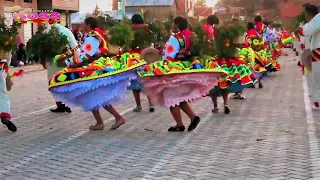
x,y
172,48
88,49
311,27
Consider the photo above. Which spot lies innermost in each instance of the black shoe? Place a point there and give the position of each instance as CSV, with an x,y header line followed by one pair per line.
x,y
9,124
61,109
194,123
176,129
67,109
260,85
151,108
299,63
226,109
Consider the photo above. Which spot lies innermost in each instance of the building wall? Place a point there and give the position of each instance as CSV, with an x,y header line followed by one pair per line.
x,y
7,4
156,12
71,5
115,4
181,7
65,7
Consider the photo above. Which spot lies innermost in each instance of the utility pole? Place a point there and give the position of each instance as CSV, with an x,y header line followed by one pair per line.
x,y
124,7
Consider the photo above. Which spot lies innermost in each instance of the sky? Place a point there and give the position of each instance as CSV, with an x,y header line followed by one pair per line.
x,y
105,5
211,3
89,5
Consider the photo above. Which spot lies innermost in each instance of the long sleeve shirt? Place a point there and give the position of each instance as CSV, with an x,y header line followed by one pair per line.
x,y
312,29
89,48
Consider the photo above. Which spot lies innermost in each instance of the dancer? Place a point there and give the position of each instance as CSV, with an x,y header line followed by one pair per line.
x,y
312,29
212,20
178,79
96,84
52,68
239,77
143,38
5,85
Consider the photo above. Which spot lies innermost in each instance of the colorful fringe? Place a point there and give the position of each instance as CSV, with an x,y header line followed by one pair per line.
x,y
101,83
239,75
168,83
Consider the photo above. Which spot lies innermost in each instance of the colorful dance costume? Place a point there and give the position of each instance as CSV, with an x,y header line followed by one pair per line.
x,y
263,59
177,78
100,83
239,75
4,98
266,34
141,41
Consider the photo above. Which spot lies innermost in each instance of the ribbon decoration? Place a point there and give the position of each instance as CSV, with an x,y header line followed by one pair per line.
x,y
4,66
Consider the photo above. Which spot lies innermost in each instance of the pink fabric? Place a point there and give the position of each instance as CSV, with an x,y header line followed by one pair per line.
x,y
252,32
170,90
208,29
187,34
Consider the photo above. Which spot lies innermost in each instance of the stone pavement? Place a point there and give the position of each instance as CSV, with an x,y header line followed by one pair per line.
x,y
29,68
266,136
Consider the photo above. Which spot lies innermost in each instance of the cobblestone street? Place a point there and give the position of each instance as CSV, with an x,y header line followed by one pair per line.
x,y
273,134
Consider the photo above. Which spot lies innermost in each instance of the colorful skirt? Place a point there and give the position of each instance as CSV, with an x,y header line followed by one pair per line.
x,y
239,76
101,83
168,83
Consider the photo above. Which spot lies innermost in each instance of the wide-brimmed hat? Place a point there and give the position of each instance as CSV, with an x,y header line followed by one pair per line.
x,y
150,55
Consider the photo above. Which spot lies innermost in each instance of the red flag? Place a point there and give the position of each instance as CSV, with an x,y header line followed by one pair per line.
x,y
17,74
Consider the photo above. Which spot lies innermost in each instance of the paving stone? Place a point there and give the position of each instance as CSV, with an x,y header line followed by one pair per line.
x,y
264,137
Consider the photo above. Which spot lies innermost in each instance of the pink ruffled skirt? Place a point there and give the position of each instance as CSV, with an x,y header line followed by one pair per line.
x,y
171,90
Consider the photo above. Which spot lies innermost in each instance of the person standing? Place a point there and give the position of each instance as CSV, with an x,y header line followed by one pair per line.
x,y
94,83
5,85
312,29
138,44
52,68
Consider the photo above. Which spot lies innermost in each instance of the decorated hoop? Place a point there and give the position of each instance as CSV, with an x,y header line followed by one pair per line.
x,y
113,49
240,40
3,54
150,55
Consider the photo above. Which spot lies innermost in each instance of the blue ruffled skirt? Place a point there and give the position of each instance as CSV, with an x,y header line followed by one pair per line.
x,y
93,94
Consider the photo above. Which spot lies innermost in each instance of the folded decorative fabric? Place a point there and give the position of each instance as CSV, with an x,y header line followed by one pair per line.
x,y
239,75
98,84
169,82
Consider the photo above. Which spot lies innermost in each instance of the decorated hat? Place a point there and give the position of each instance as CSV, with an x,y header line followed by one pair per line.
x,y
150,55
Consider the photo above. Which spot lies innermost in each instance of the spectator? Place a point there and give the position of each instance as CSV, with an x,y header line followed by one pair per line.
x,y
21,53
30,55
78,35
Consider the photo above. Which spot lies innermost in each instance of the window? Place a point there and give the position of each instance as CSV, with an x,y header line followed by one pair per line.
x,y
27,1
10,0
